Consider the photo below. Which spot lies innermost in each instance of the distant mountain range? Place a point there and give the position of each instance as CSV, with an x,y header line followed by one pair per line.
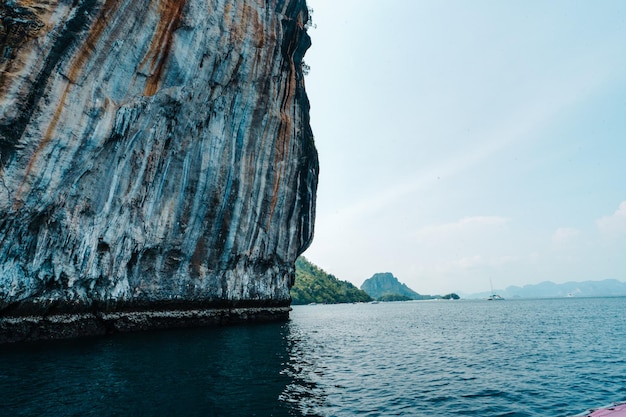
x,y
548,289
384,286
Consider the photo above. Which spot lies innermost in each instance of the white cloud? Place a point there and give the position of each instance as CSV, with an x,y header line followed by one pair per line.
x,y
614,224
474,224
564,235
478,261
464,249
470,262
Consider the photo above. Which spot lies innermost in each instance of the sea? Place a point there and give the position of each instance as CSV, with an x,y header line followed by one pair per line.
x,y
547,357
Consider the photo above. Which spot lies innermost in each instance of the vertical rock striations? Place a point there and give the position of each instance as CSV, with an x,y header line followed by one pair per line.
x,y
157,166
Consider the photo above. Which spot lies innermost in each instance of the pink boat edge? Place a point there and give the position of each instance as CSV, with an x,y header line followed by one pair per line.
x,y
617,409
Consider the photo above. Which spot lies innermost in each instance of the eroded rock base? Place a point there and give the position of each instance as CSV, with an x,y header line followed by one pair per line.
x,y
65,326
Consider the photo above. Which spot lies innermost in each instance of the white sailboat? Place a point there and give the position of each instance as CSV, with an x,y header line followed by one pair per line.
x,y
493,296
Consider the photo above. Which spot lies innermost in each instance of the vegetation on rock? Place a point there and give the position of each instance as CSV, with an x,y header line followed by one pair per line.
x,y
451,296
313,285
394,297
383,286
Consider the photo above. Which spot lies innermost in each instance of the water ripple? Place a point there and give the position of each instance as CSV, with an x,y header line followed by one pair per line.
x,y
469,358
519,358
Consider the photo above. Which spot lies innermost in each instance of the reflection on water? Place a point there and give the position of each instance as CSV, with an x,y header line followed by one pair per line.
x,y
231,371
303,393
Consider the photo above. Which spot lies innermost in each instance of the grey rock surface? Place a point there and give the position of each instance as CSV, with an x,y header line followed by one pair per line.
x,y
154,155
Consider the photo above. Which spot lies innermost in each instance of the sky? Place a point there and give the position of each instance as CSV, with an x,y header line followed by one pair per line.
x,y
469,142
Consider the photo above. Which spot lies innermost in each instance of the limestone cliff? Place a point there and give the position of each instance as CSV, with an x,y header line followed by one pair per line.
x,y
157,166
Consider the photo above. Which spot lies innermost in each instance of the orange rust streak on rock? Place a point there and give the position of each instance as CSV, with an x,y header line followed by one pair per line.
x,y
74,71
28,3
282,141
97,27
44,141
171,14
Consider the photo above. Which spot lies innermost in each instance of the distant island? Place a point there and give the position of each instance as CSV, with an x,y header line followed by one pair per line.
x,y
314,285
548,289
383,286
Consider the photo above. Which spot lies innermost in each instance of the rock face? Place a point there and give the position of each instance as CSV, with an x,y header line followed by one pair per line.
x,y
157,167
384,283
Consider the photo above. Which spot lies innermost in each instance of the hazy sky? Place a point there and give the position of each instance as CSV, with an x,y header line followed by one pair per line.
x,y
463,141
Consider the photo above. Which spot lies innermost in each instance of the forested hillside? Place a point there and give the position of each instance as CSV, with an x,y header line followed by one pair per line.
x,y
314,285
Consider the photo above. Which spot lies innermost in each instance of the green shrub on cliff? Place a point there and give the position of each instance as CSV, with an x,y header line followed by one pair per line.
x,y
394,297
313,285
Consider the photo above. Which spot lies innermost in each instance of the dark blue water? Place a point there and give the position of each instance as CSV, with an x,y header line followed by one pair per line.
x,y
471,358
